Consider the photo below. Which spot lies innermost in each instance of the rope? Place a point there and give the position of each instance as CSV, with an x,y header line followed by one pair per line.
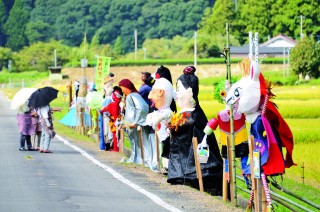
x,y
266,190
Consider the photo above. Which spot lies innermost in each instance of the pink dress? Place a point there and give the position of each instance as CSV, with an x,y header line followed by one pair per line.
x,y
25,124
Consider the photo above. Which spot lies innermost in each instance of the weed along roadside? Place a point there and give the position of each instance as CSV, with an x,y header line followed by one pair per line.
x,y
296,103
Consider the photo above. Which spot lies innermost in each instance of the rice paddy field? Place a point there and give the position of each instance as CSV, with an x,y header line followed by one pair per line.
x,y
300,107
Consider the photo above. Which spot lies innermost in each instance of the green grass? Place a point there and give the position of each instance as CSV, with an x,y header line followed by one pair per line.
x,y
30,77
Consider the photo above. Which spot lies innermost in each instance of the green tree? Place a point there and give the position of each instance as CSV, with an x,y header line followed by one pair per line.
x,y
215,19
79,16
3,17
253,16
117,48
39,56
305,58
5,55
42,21
286,17
39,31
15,28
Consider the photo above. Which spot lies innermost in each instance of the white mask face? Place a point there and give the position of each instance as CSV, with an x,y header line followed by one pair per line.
x,y
108,87
184,96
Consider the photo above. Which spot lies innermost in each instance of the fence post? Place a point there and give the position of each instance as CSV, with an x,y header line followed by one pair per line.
x,y
196,160
302,167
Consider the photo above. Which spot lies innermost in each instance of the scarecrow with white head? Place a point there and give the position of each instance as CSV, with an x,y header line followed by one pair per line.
x,y
161,95
269,129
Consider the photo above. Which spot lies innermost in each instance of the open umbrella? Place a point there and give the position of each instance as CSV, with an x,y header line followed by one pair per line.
x,y
21,97
42,97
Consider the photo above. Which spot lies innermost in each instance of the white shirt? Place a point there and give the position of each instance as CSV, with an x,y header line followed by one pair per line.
x,y
43,112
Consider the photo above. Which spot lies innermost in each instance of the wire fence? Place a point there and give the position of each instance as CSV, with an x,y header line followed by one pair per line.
x,y
17,83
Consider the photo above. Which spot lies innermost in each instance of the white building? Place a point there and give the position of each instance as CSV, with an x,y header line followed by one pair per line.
x,y
275,47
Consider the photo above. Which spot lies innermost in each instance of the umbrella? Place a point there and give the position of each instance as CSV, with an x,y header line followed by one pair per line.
x,y
21,97
42,97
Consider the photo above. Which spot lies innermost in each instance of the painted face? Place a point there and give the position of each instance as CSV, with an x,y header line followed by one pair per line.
x,y
108,87
125,90
246,91
158,98
184,96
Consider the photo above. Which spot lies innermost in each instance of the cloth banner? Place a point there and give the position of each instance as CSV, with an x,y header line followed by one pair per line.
x,y
102,70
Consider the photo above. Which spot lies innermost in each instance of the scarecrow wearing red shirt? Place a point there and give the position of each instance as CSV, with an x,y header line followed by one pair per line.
x,y
113,110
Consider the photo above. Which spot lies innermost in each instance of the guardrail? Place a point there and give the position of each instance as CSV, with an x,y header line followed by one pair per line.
x,y
288,203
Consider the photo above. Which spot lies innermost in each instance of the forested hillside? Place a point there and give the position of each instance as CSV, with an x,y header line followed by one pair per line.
x,y
24,22
29,21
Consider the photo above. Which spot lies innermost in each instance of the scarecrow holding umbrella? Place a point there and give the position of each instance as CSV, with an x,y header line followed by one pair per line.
x,y
19,101
40,100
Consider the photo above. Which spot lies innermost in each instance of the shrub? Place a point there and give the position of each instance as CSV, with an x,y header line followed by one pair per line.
x,y
305,58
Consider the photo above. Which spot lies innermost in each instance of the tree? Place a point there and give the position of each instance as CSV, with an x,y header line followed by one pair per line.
x,y
39,31
286,17
41,26
214,21
253,16
15,28
305,58
3,18
117,48
5,55
39,56
212,32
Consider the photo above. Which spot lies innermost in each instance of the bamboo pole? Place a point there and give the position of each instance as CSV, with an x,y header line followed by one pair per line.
x,y
196,160
230,172
232,159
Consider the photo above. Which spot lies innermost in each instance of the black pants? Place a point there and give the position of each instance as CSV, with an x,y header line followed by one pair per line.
x,y
25,138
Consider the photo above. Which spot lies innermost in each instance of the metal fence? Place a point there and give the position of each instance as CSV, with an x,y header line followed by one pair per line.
x,y
20,83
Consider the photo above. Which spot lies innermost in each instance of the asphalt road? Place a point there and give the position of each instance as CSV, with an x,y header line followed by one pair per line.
x,y
62,181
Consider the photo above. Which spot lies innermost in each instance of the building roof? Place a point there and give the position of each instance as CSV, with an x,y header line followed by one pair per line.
x,y
280,41
274,46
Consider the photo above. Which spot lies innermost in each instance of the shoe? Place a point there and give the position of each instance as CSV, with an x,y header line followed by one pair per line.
x,y
47,151
22,149
31,149
41,151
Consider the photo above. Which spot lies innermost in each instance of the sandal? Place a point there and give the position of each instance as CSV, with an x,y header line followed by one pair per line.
x,y
47,151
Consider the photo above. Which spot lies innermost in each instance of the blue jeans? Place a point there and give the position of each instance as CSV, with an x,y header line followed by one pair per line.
x,y
45,138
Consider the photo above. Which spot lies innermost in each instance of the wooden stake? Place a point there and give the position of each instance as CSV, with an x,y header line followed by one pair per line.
x,y
196,160
230,161
254,182
141,143
121,140
70,93
158,151
225,183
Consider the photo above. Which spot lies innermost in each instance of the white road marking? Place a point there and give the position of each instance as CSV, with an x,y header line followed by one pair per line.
x,y
119,177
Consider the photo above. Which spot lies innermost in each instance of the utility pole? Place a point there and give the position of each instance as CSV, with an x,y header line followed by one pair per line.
x,y
195,49
135,44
